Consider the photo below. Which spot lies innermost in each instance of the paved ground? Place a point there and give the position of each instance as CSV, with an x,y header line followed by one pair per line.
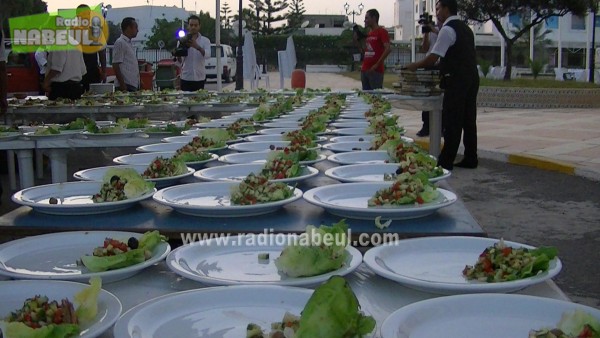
x,y
516,202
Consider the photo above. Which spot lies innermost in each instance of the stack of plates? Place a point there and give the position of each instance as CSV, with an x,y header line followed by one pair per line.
x,y
419,83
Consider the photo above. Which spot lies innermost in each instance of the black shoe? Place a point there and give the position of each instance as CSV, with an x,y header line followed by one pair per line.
x,y
423,132
468,164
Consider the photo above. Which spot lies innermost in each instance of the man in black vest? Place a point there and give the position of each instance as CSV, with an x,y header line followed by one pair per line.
x,y
455,46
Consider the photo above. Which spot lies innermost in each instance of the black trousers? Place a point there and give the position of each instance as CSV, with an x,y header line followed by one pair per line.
x,y
191,86
67,90
459,116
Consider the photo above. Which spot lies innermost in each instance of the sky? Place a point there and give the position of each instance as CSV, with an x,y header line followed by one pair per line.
x,y
385,7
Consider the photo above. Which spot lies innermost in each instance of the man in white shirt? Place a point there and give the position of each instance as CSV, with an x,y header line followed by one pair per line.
x,y
193,71
455,48
64,71
124,61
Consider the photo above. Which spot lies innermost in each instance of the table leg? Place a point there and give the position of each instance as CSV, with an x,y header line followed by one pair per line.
x,y
39,164
435,132
25,159
58,164
12,175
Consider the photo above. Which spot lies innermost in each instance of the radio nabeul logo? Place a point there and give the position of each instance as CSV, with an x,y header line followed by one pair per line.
x,y
70,29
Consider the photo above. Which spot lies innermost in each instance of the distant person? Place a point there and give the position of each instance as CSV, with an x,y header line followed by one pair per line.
x,y
193,70
125,62
430,32
64,72
95,63
455,48
377,48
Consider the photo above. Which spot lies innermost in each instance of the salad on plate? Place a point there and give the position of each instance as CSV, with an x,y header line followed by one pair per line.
x,y
255,189
576,324
406,189
162,167
40,317
121,184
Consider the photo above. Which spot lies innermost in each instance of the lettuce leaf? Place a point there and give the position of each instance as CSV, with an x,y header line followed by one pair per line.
x,y
573,323
147,243
216,134
20,330
317,251
86,301
333,311
135,186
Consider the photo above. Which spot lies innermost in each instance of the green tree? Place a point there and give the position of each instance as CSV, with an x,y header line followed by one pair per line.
x,y
295,14
540,42
272,16
114,31
494,10
254,17
166,30
14,8
225,16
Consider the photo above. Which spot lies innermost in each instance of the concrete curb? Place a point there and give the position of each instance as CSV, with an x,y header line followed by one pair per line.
x,y
528,160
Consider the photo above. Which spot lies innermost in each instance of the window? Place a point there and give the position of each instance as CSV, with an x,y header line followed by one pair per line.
x,y
577,22
515,19
552,22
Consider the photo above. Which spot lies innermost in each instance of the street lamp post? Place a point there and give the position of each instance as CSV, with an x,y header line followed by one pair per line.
x,y
239,76
353,12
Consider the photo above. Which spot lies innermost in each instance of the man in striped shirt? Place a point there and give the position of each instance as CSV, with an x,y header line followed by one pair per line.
x,y
125,62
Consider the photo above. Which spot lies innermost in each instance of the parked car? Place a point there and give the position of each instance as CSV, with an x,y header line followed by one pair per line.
x,y
228,62
22,73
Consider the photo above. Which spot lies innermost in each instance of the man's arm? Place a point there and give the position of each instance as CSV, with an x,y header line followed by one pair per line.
x,y
197,47
119,75
425,45
56,63
386,51
428,62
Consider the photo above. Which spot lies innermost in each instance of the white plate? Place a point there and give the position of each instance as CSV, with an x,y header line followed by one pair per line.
x,y
64,134
54,256
258,146
146,158
357,124
271,131
238,172
258,157
350,200
342,147
124,133
222,312
75,198
97,174
212,200
479,315
356,115
372,172
213,263
178,139
172,146
194,132
361,138
279,124
435,264
350,131
8,136
358,157
14,294
275,137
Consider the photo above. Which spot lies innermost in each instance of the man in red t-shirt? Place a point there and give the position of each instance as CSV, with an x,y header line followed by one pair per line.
x,y
377,48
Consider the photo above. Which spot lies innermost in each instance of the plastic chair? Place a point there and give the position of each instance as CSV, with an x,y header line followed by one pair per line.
x,y
166,76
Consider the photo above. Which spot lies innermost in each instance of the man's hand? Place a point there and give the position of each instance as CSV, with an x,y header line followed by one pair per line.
x,y
102,75
411,66
47,85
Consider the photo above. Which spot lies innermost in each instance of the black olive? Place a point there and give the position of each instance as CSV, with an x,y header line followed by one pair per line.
x,y
272,147
361,139
133,243
114,179
398,171
53,200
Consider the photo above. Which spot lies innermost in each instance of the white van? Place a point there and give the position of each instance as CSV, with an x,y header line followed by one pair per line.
x,y
228,62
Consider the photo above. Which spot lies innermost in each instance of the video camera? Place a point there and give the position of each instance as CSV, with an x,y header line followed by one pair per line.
x,y
425,20
182,49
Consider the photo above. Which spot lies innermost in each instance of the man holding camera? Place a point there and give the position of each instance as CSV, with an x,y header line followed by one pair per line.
x,y
455,48
195,49
430,32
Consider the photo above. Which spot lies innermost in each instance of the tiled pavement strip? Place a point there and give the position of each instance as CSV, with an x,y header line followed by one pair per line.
x,y
565,140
